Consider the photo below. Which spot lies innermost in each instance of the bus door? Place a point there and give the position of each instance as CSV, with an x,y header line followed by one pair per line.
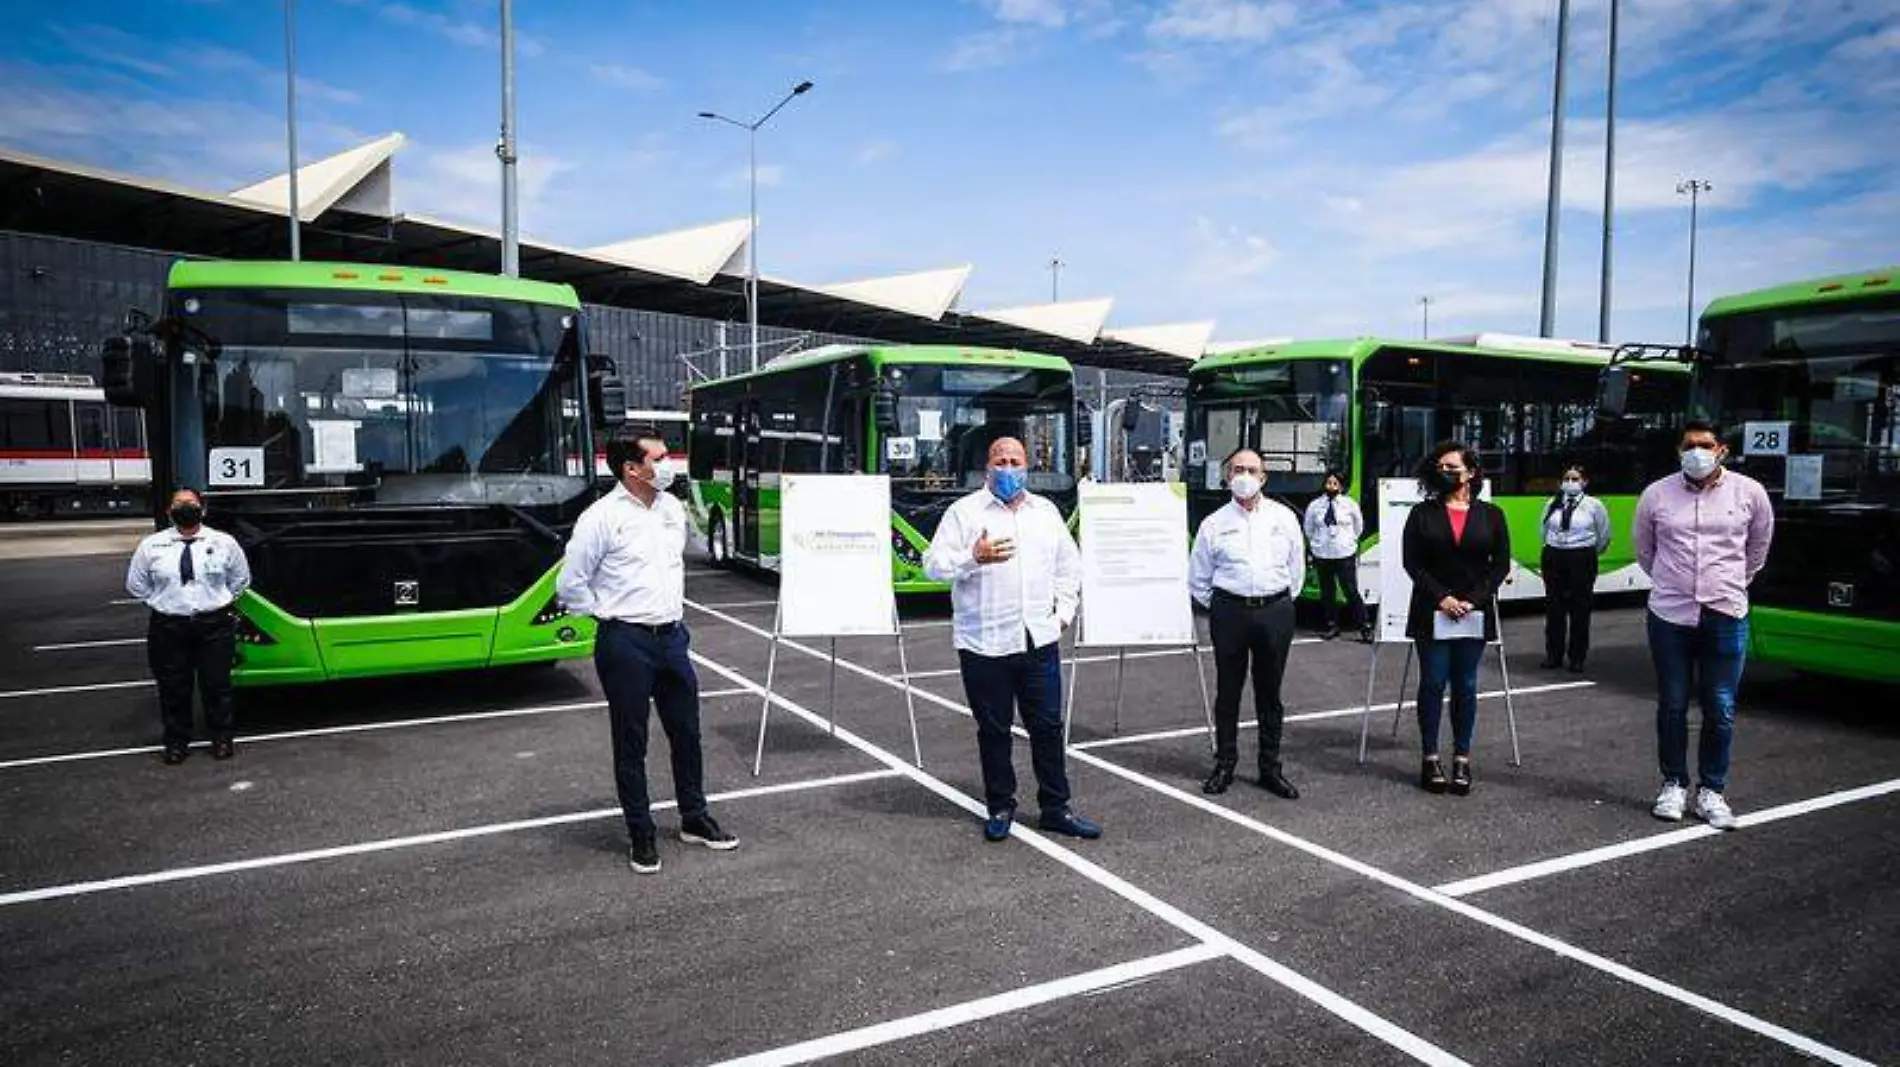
x,y
745,483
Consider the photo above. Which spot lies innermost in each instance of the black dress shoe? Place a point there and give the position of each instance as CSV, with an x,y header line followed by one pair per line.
x,y
223,748
1576,667
175,754
1460,777
1431,776
1069,823
1550,663
1274,782
1218,781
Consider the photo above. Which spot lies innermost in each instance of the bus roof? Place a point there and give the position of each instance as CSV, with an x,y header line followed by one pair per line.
x,y
1812,291
882,354
363,277
1359,349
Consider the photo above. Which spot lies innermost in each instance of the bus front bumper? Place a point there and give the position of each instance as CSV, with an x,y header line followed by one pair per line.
x,y
1827,644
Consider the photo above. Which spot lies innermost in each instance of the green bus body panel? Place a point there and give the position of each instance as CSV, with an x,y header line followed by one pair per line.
x,y
223,274
323,650
1359,349
1824,643
1813,291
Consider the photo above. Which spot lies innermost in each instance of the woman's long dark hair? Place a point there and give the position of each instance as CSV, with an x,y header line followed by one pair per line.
x,y
1557,498
1428,470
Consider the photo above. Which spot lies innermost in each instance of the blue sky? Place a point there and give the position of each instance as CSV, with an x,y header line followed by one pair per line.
x,y
1289,169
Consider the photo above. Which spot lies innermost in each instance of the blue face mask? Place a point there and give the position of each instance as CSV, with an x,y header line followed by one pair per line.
x,y
1007,482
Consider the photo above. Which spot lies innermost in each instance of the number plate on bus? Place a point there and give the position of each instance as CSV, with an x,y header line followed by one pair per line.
x,y
1765,438
236,467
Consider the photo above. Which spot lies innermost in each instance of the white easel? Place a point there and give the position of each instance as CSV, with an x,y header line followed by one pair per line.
x,y
1405,675
1121,668
831,709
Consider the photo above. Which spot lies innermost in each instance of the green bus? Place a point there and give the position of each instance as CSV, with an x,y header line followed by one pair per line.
x,y
401,453
1804,381
1373,408
924,415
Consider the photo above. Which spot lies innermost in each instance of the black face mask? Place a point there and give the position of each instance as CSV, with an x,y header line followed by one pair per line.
x,y
1331,491
1444,483
187,515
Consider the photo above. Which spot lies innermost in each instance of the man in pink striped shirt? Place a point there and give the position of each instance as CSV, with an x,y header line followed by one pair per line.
x,y
1701,535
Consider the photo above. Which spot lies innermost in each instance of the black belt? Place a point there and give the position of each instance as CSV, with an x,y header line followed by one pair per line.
x,y
214,613
657,629
1226,597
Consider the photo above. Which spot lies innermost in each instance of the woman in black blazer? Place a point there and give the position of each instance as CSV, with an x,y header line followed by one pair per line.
x,y
1458,551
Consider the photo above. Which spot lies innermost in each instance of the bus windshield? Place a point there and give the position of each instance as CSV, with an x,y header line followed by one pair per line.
x,y
1293,412
344,399
1832,374
948,416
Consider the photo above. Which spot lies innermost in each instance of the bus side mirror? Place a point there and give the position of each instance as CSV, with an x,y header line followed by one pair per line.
x,y
884,410
126,370
607,393
1378,419
1131,416
1613,392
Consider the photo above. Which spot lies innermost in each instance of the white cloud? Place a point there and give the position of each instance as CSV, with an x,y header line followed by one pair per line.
x,y
463,183
875,152
465,32
1222,21
620,76
1224,255
1035,12
771,176
984,51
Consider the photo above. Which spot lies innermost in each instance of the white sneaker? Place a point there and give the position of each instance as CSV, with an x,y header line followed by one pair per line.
x,y
1670,802
1712,809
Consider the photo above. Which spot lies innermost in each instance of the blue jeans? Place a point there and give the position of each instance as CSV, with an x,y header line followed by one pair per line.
x,y
1448,662
637,669
999,686
1715,649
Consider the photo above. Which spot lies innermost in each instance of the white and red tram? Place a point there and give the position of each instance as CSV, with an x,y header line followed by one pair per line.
x,y
65,451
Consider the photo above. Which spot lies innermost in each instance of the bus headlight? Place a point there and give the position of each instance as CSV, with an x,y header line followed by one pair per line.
x,y
247,633
549,612
905,551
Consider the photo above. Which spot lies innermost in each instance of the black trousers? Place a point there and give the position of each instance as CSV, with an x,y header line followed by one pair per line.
x,y
181,648
1028,683
641,669
1343,574
1257,637
1570,577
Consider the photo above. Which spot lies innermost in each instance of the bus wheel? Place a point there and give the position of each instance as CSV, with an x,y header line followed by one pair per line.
x,y
718,545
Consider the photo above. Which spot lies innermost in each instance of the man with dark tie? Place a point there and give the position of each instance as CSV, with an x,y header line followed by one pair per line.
x,y
189,576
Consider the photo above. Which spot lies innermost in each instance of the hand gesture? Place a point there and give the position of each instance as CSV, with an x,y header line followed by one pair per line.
x,y
997,551
1453,607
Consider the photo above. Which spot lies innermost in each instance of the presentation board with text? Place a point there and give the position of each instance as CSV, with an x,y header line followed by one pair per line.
x,y
835,556
1135,565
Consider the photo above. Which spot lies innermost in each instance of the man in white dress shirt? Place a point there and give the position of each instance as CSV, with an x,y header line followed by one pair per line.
x,y
625,566
1016,579
1248,564
189,575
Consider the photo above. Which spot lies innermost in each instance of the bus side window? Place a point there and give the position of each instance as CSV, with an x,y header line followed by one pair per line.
x,y
92,425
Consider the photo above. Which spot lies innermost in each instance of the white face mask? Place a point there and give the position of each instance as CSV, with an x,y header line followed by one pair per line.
x,y
1244,486
663,473
1699,463
1573,488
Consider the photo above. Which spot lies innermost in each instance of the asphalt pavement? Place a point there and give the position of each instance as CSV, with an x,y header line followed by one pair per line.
x,y
433,869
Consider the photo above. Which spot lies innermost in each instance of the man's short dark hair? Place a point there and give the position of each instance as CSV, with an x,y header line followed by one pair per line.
x,y
196,493
630,446
1702,426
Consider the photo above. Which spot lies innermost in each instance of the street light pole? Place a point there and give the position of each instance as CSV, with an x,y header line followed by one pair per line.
x,y
1055,279
510,237
290,120
752,182
1547,320
1694,187
1425,328
1609,187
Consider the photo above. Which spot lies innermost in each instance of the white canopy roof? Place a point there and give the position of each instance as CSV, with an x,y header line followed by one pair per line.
x,y
696,254
1185,339
1077,320
927,294
358,179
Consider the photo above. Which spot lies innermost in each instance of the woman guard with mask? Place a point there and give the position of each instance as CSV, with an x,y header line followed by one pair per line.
x,y
1576,532
1334,525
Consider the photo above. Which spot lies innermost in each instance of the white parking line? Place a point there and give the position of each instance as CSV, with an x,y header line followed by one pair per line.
x,y
1607,853
57,689
975,1010
1459,907
73,645
1376,1025
124,602
328,731
1312,716
749,604
180,874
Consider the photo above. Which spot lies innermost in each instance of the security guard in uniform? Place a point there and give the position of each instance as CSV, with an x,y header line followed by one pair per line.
x,y
189,576
1249,561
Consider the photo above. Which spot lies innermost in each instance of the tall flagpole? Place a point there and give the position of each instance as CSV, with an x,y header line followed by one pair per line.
x,y
1609,188
510,240
1547,319
290,120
